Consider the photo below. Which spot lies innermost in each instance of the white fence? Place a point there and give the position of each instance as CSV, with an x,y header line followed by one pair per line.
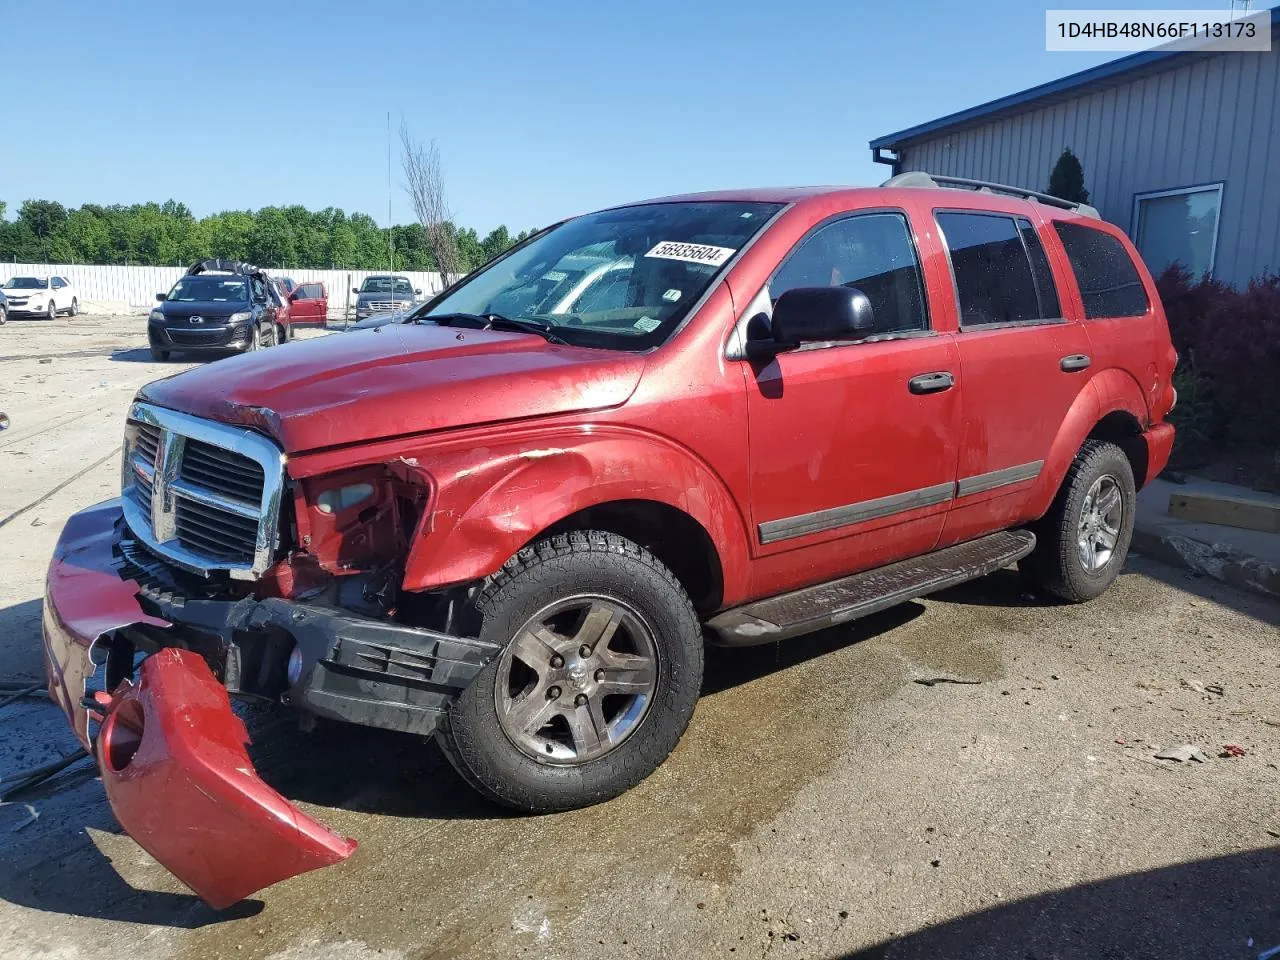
x,y
137,286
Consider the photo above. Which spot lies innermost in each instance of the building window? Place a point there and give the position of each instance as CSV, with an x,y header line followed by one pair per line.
x,y
1178,225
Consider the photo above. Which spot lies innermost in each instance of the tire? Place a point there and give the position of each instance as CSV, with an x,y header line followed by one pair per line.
x,y
52,312
571,581
4,314
75,308
268,335
255,338
1079,547
282,335
158,354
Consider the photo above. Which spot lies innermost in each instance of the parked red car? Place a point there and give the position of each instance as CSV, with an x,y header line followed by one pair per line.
x,y
516,528
309,304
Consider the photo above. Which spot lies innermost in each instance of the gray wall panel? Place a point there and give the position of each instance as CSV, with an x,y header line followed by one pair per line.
x,y
1201,121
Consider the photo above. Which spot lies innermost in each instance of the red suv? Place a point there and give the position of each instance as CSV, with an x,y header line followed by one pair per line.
x,y
514,520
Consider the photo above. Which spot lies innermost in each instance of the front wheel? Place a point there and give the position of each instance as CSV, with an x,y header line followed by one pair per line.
x,y
4,314
158,354
52,312
599,673
1082,542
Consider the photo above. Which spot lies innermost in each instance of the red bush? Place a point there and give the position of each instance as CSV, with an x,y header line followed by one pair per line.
x,y
1230,340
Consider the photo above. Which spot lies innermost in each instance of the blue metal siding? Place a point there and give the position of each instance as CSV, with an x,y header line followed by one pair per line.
x,y
1200,120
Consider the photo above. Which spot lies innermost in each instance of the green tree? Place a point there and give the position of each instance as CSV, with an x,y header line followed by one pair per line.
x,y
495,242
1067,178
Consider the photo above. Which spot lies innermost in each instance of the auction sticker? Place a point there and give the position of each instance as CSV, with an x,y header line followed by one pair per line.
x,y
691,252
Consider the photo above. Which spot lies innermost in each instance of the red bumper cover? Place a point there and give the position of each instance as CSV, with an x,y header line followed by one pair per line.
x,y
171,751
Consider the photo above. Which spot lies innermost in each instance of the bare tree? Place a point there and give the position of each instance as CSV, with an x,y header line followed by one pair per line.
x,y
424,182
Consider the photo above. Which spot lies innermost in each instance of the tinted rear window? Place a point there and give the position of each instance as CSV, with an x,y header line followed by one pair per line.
x,y
1109,282
991,268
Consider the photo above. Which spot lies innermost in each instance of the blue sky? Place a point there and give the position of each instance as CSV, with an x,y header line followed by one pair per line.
x,y
540,109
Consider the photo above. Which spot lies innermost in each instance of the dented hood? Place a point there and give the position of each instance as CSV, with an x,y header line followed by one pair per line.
x,y
396,380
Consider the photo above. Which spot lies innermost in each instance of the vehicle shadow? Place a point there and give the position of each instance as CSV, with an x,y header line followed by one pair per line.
x,y
1221,907
1006,588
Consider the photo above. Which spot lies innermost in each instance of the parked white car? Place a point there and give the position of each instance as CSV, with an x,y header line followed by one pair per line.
x,y
41,296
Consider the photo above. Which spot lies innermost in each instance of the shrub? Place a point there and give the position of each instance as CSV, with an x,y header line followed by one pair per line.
x,y
1228,341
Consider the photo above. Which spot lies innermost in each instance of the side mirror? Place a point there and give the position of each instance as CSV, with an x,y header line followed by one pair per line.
x,y
160,297
815,314
417,291
293,296
355,289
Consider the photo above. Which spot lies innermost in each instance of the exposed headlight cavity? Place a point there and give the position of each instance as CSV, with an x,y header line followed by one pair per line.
x,y
344,498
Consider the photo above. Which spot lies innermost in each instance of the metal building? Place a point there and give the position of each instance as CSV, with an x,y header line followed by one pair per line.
x,y
1182,150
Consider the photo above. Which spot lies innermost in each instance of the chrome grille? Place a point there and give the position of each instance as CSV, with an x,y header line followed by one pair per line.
x,y
201,494
222,471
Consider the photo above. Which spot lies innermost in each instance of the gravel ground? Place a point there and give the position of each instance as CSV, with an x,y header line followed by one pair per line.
x,y
822,804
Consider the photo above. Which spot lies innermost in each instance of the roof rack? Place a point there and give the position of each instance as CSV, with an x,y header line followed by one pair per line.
x,y
237,267
919,178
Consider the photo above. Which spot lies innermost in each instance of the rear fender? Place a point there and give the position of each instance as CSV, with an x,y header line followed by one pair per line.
x,y
1107,392
487,509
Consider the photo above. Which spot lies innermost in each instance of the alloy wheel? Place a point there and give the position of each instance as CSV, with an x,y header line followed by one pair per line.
x,y
577,680
1101,516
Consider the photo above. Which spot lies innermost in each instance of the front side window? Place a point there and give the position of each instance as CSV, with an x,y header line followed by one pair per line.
x,y
209,289
872,252
57,283
1109,282
619,279
1179,226
992,270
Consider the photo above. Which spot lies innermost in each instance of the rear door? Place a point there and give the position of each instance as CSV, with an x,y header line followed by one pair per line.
x,y
1113,302
852,451
1022,361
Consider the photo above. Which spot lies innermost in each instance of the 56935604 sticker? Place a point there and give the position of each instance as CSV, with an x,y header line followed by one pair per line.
x,y
691,252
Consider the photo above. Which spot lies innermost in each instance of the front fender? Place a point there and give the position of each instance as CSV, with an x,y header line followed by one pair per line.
x,y
1108,391
490,502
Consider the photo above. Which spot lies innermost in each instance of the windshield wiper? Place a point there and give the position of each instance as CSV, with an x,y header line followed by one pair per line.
x,y
496,321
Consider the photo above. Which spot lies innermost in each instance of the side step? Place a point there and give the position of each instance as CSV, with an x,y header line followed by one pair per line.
x,y
838,601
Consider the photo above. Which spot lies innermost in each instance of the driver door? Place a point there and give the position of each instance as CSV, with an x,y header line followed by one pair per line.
x,y
853,444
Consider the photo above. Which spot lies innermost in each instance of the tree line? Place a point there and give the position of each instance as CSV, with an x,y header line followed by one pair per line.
x,y
168,234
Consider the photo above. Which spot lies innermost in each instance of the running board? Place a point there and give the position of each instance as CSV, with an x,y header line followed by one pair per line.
x,y
839,601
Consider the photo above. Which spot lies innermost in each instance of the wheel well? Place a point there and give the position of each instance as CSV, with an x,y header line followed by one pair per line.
x,y
1123,429
669,534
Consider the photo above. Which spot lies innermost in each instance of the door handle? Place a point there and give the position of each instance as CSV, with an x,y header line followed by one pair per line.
x,y
1077,361
931,382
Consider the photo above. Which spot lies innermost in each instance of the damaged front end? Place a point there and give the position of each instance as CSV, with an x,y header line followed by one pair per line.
x,y
148,653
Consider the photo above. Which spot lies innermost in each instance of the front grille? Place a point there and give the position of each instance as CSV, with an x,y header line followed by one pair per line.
x,y
382,306
204,495
222,471
200,338
147,443
215,532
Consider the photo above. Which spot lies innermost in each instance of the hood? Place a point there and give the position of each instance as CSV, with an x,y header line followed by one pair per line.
x,y
14,293
209,310
396,380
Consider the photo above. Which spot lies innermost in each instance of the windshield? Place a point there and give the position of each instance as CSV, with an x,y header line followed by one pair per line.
x,y
210,289
619,278
27,283
397,286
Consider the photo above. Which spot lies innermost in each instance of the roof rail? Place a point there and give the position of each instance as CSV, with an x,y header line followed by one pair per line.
x,y
919,178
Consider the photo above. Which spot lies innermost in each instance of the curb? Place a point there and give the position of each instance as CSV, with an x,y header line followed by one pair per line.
x,y
1227,564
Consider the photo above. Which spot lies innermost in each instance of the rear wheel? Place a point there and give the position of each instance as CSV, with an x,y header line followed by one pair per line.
x,y
599,674
75,308
1082,542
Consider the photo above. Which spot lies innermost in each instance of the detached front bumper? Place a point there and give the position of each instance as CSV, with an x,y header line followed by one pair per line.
x,y
170,749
